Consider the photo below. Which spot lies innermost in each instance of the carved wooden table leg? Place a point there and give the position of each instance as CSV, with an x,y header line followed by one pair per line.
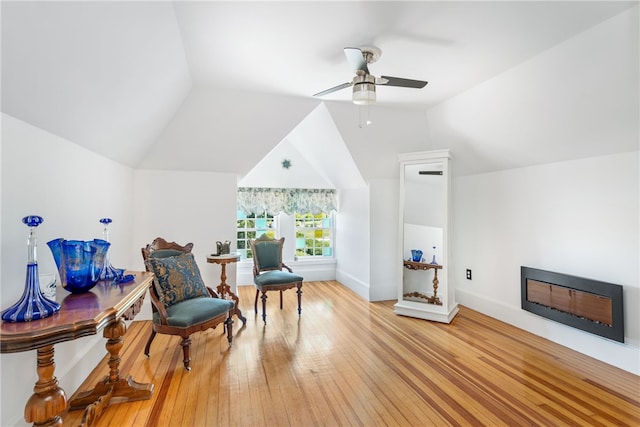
x,y
224,290
49,401
95,410
127,388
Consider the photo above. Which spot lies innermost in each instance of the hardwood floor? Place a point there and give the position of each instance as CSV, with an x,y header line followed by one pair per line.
x,y
347,362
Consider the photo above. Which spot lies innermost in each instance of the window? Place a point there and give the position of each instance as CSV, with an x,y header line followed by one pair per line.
x,y
287,212
250,227
314,234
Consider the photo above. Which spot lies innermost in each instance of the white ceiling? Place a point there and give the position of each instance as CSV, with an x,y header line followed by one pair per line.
x,y
296,48
210,85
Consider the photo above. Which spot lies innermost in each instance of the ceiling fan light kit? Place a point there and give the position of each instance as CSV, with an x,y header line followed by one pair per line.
x,y
364,84
364,90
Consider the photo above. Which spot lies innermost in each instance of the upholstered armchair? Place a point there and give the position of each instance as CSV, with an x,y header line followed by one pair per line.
x,y
181,303
270,273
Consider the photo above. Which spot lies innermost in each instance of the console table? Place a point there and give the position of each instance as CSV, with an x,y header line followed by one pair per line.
x,y
104,308
413,265
223,289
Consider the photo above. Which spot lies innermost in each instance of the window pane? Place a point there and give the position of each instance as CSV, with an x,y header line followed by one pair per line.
x,y
250,227
314,234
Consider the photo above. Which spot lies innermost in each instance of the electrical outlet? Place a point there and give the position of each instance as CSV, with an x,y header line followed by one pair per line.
x,y
468,274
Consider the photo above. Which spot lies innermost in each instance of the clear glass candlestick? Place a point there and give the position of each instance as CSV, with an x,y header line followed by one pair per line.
x,y
109,272
433,260
33,305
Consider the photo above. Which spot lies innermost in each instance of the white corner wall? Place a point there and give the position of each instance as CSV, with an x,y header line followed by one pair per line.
x,y
577,217
71,188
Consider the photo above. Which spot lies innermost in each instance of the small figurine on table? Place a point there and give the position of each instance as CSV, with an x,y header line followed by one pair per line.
x,y
223,248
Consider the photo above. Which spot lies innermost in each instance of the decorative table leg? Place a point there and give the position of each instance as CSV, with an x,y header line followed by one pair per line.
x,y
225,291
127,388
436,300
95,410
49,401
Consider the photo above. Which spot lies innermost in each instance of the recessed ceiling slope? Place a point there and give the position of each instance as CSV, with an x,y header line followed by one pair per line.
x,y
225,130
318,155
105,75
271,173
320,142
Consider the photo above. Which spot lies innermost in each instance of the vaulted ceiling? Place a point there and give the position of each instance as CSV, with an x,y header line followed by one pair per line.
x,y
217,86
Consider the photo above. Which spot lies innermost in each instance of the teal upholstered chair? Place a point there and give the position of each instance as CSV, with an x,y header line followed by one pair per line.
x,y
269,272
180,301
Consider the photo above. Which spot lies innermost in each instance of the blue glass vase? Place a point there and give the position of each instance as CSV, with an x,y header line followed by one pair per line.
x,y
79,262
416,255
33,305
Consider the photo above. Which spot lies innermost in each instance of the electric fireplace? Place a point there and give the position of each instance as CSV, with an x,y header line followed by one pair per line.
x,y
586,304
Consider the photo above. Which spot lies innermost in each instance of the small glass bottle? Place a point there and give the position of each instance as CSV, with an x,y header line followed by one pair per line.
x,y
33,305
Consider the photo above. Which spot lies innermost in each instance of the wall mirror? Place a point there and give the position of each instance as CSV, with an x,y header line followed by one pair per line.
x,y
424,288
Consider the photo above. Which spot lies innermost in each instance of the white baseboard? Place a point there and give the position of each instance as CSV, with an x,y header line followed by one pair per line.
x,y
356,285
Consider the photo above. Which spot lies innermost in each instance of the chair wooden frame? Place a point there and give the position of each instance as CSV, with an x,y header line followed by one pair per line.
x,y
257,270
158,307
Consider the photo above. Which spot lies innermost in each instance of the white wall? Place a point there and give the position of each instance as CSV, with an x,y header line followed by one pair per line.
x,y
198,207
383,230
578,217
71,188
353,241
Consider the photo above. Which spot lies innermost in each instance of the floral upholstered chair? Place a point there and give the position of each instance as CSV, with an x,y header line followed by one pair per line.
x,y
268,273
181,302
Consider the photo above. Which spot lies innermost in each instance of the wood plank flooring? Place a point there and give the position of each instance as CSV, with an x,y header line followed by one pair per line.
x,y
347,362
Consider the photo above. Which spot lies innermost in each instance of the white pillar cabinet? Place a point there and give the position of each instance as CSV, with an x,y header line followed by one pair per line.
x,y
423,257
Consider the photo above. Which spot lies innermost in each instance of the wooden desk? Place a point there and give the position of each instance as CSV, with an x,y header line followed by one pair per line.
x,y
105,307
412,265
223,289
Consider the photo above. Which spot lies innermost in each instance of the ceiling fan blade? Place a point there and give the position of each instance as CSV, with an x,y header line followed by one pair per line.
x,y
334,89
356,59
397,81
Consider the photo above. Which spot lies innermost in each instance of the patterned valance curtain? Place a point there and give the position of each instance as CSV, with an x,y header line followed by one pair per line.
x,y
287,200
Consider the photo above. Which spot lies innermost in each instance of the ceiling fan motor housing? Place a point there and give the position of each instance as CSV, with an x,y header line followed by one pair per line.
x,y
364,89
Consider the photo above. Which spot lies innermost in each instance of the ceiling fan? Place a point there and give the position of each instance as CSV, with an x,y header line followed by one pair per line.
x,y
364,84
